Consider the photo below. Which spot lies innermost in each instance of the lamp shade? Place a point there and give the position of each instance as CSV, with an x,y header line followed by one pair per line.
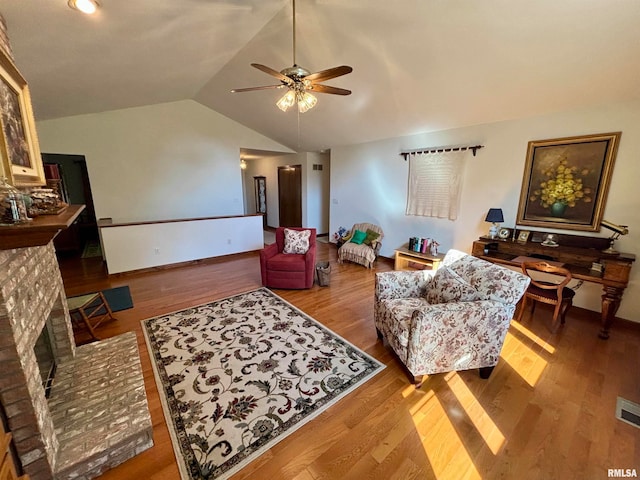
x,y
494,216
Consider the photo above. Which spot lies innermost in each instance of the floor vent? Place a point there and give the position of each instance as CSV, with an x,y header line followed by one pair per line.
x,y
628,412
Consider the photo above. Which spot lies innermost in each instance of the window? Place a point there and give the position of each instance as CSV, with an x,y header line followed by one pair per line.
x,y
435,184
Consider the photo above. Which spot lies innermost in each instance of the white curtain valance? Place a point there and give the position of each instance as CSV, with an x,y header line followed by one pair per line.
x,y
435,184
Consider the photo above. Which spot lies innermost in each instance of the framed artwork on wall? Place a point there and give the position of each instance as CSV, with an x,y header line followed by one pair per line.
x,y
260,186
566,181
19,150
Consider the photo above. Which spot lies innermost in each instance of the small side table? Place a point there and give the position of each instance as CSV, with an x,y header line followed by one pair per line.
x,y
404,257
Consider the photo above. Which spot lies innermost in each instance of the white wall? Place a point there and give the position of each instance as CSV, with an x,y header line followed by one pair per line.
x,y
315,187
318,190
158,162
134,247
369,184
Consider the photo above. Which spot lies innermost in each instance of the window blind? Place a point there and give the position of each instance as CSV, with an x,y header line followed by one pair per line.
x,y
435,184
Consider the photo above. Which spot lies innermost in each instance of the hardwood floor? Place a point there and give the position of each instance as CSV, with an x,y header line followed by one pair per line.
x,y
547,411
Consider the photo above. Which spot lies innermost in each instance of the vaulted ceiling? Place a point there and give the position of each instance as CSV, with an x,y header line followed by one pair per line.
x,y
418,65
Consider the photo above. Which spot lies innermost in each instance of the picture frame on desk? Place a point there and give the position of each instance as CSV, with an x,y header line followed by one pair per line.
x,y
523,236
566,181
537,237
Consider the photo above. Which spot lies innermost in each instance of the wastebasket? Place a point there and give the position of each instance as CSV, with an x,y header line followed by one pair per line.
x,y
323,270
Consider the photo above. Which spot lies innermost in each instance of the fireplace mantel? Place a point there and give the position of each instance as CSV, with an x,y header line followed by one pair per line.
x,y
39,231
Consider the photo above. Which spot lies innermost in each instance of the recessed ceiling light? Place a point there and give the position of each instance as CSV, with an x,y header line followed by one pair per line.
x,y
85,6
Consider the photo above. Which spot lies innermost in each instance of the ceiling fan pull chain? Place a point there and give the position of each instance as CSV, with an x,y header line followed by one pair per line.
x,y
298,129
294,31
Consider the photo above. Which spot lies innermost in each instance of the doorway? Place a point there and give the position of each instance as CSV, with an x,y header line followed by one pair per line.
x,y
290,196
75,189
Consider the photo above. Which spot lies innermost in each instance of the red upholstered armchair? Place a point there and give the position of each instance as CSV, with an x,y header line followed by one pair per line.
x,y
288,270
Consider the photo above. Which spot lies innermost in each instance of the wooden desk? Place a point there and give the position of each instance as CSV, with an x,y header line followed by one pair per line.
x,y
577,258
404,257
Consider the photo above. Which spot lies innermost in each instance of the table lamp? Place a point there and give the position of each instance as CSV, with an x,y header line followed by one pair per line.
x,y
617,231
494,216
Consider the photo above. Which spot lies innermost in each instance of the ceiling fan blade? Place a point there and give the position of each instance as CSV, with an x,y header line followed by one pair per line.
x,y
272,72
250,89
327,89
329,73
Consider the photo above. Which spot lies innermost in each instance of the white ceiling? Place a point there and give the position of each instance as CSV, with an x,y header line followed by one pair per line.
x,y
418,65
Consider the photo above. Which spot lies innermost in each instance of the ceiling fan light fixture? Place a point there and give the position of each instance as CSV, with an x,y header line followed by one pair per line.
x,y
299,80
306,101
88,7
287,100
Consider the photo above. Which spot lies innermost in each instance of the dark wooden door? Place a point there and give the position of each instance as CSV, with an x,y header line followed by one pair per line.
x,y
290,195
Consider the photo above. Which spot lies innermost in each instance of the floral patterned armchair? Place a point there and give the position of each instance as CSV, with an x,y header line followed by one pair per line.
x,y
455,318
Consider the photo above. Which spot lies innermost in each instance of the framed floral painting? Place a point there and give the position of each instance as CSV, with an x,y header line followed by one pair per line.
x,y
19,150
566,181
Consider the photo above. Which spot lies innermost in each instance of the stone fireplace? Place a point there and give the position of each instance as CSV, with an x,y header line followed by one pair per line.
x,y
97,414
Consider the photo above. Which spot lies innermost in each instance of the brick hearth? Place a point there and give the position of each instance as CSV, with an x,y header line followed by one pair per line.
x,y
99,408
97,415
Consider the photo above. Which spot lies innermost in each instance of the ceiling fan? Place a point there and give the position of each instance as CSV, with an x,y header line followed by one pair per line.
x,y
299,81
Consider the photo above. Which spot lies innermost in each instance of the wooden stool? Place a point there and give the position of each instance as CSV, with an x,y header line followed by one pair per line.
x,y
90,311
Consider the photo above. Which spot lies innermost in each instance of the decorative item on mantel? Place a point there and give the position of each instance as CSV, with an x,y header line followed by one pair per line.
x,y
52,176
44,201
494,216
12,207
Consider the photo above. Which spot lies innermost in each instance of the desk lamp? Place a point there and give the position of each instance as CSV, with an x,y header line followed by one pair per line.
x,y
617,231
494,216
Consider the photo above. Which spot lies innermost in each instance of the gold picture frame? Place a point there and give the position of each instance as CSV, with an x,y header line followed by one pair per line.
x,y
523,236
19,150
566,181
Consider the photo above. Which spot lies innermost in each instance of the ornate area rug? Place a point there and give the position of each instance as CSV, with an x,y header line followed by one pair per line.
x,y
238,375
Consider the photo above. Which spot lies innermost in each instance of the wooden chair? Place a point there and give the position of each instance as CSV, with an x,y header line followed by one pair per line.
x,y
90,311
557,294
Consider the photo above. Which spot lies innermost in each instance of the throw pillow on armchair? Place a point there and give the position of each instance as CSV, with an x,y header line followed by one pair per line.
x,y
296,241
